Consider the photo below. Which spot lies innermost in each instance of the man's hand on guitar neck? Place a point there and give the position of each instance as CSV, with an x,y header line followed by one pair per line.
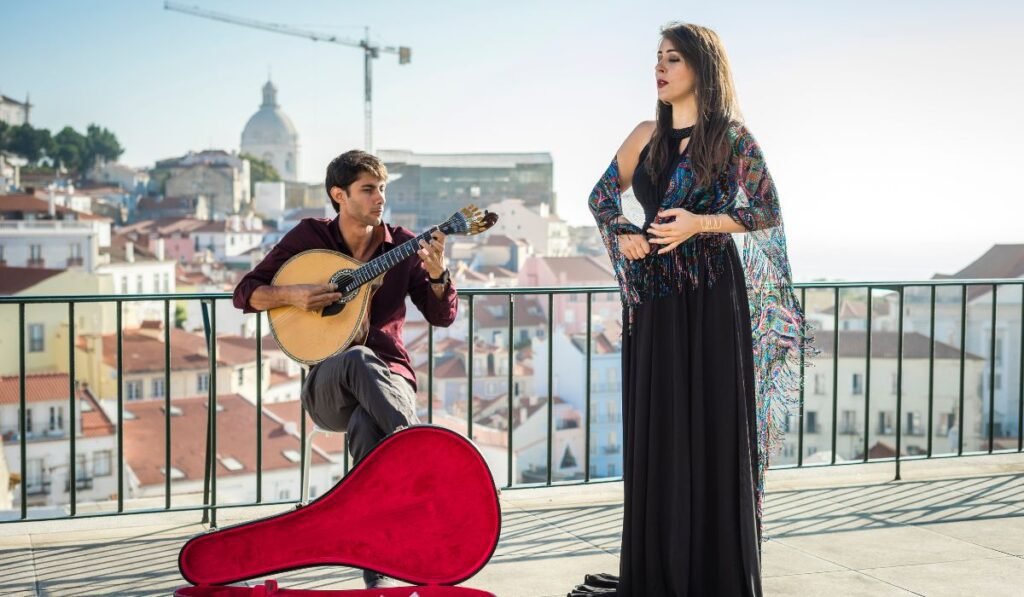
x,y
308,297
434,261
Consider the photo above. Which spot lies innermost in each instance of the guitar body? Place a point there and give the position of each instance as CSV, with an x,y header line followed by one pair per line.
x,y
309,337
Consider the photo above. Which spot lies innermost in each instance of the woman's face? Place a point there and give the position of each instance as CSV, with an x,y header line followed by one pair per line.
x,y
675,78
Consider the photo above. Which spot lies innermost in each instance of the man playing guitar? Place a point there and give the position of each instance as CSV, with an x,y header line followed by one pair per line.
x,y
369,389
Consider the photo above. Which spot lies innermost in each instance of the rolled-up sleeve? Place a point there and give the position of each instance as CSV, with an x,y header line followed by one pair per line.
x,y
437,310
263,274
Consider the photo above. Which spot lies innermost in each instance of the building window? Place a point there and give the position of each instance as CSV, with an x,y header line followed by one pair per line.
x,y
885,422
34,475
28,420
158,387
167,282
819,384
133,389
241,376
56,418
156,282
81,472
35,337
894,383
946,423
914,426
124,284
848,422
101,463
35,252
75,251
203,382
858,384
812,421
138,284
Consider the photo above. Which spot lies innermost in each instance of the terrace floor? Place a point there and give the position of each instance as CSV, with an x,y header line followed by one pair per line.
x,y
950,527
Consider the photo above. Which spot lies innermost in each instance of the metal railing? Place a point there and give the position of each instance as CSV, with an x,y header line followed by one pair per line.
x,y
209,302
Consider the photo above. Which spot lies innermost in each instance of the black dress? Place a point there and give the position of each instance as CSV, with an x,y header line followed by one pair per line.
x,y
690,524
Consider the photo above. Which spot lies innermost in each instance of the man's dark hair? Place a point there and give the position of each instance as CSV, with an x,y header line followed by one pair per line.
x,y
346,168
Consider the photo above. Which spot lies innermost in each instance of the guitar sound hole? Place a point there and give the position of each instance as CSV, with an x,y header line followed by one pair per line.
x,y
342,280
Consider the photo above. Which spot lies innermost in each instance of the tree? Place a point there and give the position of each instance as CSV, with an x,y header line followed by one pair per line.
x,y
72,149
76,152
180,316
100,144
31,144
260,171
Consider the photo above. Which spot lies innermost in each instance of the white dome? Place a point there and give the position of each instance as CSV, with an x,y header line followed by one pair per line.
x,y
269,126
270,136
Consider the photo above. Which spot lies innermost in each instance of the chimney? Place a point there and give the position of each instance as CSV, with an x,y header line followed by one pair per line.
x,y
160,249
53,208
129,252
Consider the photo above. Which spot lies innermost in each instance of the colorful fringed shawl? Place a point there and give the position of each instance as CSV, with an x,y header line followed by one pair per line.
x,y
746,193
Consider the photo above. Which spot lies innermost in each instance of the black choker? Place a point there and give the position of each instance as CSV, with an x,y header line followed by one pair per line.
x,y
680,134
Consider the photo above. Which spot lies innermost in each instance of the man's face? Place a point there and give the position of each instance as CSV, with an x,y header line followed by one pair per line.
x,y
364,201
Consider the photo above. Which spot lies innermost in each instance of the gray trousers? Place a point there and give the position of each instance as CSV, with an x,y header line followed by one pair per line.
x,y
355,392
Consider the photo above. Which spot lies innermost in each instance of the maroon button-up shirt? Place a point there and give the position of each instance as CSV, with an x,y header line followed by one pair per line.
x,y
387,309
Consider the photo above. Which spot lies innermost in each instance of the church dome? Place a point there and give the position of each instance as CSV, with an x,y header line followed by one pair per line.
x,y
269,125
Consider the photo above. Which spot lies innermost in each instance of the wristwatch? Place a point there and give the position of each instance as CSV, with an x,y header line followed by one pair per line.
x,y
444,279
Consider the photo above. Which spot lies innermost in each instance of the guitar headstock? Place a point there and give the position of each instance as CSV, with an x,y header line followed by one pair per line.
x,y
470,220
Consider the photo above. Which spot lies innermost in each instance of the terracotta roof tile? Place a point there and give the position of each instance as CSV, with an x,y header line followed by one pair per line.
x,y
143,351
39,387
17,205
18,279
236,438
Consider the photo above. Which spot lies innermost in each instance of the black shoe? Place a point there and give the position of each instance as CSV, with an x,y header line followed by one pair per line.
x,y
376,580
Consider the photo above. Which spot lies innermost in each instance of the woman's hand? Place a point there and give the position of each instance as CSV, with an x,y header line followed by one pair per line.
x,y
680,226
634,246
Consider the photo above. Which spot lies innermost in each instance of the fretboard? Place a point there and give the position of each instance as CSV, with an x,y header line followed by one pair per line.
x,y
381,264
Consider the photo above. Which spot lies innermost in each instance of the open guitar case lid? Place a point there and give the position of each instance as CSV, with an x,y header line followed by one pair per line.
x,y
420,508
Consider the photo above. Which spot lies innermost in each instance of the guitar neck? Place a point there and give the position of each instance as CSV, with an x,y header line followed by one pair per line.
x,y
378,266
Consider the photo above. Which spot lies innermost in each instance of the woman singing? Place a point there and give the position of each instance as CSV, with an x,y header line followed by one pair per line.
x,y
711,341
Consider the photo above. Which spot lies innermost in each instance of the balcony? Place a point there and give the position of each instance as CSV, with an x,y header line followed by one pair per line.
x,y
37,487
949,528
81,483
916,520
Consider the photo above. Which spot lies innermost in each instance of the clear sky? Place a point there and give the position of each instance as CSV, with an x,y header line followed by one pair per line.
x,y
893,129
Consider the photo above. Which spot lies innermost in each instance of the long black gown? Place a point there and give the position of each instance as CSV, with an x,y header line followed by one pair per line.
x,y
690,524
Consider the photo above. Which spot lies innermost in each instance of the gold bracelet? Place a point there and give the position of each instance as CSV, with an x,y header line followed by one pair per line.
x,y
709,223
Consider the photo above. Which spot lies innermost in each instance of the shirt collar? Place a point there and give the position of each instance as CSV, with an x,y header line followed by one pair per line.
x,y
336,232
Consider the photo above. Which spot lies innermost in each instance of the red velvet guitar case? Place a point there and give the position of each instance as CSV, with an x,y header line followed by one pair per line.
x,y
421,508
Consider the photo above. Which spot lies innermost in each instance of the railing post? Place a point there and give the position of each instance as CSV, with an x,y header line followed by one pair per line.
x,y
992,374
899,386
963,351
510,343
22,411
931,372
587,390
551,386
867,376
72,418
167,404
120,407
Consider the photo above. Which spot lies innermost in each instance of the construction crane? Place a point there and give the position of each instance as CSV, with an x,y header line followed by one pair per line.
x,y
370,50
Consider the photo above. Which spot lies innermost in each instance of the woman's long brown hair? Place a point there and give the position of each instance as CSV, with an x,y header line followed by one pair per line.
x,y
717,107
